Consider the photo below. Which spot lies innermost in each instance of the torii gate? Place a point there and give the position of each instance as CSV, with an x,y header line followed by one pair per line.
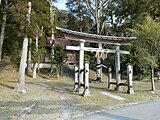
x,y
85,37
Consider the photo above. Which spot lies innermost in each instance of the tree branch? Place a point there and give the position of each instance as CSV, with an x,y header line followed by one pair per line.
x,y
91,3
90,9
106,2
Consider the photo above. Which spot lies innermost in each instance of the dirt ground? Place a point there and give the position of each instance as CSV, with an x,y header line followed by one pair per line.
x,y
52,99
44,100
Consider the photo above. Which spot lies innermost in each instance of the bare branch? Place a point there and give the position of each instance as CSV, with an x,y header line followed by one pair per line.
x,y
106,2
90,9
92,3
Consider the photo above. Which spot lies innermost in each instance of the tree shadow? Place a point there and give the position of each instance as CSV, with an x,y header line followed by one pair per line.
x,y
108,90
10,109
55,86
68,71
7,66
13,108
4,85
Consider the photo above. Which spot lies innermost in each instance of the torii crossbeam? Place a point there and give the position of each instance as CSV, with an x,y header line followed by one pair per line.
x,y
85,37
90,49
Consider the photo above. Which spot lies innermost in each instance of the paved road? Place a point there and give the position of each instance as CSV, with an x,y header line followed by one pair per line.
x,y
145,111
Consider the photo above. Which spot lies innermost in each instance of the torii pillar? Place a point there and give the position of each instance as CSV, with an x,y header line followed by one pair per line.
x,y
117,64
99,67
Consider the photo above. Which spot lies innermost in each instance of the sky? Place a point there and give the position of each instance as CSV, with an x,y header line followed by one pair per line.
x,y
61,5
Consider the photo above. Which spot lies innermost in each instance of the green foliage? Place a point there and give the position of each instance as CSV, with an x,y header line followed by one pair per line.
x,y
39,17
18,26
38,55
72,23
91,58
123,14
79,15
59,55
63,18
145,49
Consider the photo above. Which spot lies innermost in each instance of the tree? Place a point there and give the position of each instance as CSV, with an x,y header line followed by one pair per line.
x,y
4,5
29,25
94,10
21,78
78,9
146,47
123,14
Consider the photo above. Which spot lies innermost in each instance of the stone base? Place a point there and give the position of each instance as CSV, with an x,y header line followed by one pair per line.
x,y
80,90
20,90
109,86
131,91
86,93
118,89
75,87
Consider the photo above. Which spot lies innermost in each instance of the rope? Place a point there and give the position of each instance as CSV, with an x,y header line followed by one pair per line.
x,y
97,53
102,54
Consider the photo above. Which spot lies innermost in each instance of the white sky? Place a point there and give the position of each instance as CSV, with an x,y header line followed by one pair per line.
x,y
61,5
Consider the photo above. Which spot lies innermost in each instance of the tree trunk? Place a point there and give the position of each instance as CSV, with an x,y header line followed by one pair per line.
x,y
99,69
35,70
34,73
29,62
37,43
2,33
152,80
21,78
98,16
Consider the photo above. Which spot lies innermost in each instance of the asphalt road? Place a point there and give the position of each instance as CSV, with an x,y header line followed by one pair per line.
x,y
144,111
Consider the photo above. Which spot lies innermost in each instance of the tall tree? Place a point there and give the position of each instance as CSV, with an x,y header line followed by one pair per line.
x,y
94,9
21,78
30,24
123,14
79,10
146,47
4,5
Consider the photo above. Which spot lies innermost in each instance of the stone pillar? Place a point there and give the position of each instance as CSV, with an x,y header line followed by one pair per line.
x,y
76,79
109,76
86,80
130,78
117,64
81,66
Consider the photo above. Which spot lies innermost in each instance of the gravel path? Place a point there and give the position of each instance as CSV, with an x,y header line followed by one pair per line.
x,y
49,104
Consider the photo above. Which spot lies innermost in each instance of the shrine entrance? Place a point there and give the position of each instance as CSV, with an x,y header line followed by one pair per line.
x,y
91,38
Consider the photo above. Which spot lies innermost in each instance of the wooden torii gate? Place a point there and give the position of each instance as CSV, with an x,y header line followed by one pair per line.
x,y
85,37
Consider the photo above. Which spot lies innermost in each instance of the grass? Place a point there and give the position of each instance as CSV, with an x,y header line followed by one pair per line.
x,y
51,91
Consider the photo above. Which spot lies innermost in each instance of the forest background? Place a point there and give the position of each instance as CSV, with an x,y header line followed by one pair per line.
x,y
116,18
